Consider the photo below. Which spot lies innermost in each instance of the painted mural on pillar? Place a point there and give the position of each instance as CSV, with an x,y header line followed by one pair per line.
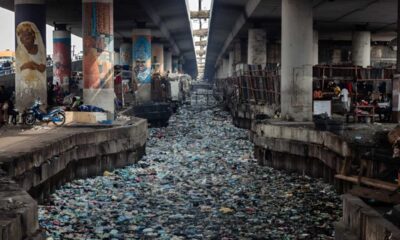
x,y
31,57
141,53
62,61
98,46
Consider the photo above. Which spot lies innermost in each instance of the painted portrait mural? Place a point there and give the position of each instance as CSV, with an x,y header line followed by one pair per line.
x,y
62,59
141,54
30,62
98,47
30,53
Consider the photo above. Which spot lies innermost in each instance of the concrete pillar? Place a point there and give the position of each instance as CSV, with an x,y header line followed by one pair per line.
x,y
315,47
231,68
273,53
141,58
396,77
240,52
297,59
337,56
168,61
117,57
125,54
98,54
157,50
175,64
62,58
225,67
257,47
361,48
180,64
30,55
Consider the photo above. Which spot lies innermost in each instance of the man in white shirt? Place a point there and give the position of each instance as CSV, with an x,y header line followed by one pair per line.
x,y
344,95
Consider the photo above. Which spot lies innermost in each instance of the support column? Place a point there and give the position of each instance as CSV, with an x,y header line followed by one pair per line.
x,y
257,47
273,53
30,54
175,64
125,53
315,47
157,50
297,59
168,61
396,78
98,54
180,64
225,67
141,57
240,54
361,48
231,68
337,56
117,57
62,57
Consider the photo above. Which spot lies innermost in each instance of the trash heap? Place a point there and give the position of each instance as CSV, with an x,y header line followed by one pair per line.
x,y
199,180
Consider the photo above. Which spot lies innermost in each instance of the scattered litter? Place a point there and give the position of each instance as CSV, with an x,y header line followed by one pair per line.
x,y
199,180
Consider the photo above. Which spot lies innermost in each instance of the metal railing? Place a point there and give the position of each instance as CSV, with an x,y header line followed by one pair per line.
x,y
253,86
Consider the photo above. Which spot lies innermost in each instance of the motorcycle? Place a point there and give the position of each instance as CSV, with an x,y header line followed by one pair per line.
x,y
57,115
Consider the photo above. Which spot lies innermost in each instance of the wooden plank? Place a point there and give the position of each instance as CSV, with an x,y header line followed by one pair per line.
x,y
378,195
369,182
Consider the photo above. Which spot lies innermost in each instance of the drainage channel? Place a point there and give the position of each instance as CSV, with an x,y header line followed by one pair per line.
x,y
199,180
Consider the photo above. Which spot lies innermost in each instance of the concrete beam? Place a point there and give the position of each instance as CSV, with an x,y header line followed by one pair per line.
x,y
157,20
200,32
250,7
201,43
203,14
201,52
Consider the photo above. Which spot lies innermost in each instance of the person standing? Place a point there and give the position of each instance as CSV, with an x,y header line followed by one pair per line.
x,y
344,95
4,98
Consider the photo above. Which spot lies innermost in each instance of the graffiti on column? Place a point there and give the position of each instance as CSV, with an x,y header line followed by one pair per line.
x,y
98,43
141,52
31,57
62,60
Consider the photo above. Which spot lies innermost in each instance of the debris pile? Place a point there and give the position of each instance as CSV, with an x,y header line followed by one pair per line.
x,y
199,180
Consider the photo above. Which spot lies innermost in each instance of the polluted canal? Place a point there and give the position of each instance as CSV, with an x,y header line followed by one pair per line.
x,y
198,181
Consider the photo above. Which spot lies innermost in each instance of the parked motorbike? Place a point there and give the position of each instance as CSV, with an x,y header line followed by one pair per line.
x,y
33,114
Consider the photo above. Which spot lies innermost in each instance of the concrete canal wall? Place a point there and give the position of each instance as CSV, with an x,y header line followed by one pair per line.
x,y
75,153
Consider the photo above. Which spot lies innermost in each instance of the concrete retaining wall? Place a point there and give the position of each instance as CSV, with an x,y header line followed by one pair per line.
x,y
244,114
360,221
322,155
78,155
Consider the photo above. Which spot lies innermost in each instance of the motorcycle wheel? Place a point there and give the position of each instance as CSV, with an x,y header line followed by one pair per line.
x,y
30,119
61,117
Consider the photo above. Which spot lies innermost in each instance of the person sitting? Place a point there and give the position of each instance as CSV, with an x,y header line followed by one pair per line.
x,y
317,94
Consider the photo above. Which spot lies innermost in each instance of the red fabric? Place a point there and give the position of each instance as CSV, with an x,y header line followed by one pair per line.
x,y
118,79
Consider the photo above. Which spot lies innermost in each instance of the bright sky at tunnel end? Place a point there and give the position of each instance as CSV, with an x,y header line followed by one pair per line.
x,y
194,6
